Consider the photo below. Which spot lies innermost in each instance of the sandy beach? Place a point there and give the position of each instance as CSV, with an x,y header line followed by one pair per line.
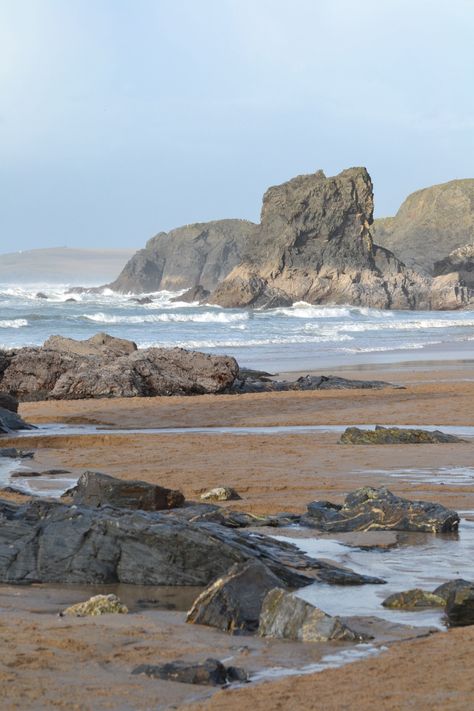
x,y
85,664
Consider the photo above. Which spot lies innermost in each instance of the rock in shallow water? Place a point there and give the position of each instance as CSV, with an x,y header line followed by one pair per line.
x,y
413,599
368,509
396,435
208,673
460,606
97,489
286,616
445,590
11,422
233,602
96,605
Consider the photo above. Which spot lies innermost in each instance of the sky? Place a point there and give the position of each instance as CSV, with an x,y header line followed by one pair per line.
x,y
122,118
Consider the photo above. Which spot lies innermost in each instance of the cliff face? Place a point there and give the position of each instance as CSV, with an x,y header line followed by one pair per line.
x,y
461,263
314,244
430,224
202,253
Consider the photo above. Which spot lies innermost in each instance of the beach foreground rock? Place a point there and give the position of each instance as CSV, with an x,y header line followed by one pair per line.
x,y
286,616
233,602
209,673
460,606
47,541
10,422
96,605
369,509
396,435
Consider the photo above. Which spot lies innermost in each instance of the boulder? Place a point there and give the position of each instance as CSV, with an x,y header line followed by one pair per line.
x,y
97,489
233,602
460,606
285,616
396,435
369,509
143,300
195,294
11,422
99,367
49,541
413,599
8,402
96,605
208,673
220,493
445,590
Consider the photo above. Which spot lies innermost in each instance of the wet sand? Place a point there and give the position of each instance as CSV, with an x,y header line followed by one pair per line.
x,y
272,473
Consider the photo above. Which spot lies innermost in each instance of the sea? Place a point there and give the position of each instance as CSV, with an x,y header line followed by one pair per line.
x,y
302,337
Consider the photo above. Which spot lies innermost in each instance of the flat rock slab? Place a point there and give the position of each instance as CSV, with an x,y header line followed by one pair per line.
x,y
209,673
368,509
396,435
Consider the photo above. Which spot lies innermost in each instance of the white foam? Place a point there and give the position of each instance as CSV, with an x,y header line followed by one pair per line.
x,y
206,317
14,323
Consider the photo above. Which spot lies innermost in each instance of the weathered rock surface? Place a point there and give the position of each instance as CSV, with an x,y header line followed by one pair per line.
x,y
396,435
413,599
208,673
220,493
195,293
96,605
285,616
430,224
47,541
233,602
253,382
111,368
461,262
11,421
445,590
460,606
315,244
96,489
369,509
202,253
8,402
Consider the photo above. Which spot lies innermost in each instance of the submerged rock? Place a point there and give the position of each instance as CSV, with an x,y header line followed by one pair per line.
x,y
96,605
460,606
97,489
285,616
195,293
208,673
220,493
396,435
413,599
370,508
233,602
48,541
102,366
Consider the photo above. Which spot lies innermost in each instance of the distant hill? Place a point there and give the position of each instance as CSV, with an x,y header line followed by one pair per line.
x,y
430,224
58,265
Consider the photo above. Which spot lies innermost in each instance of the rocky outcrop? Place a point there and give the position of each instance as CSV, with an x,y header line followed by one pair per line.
x,y
369,509
194,294
11,422
211,672
315,244
460,606
250,381
233,602
47,541
285,616
396,435
64,369
460,262
413,599
97,489
95,606
202,253
430,224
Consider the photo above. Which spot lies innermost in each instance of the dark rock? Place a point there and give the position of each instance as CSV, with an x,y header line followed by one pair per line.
x,y
413,599
255,382
25,473
371,509
14,453
97,489
11,422
430,224
241,519
106,367
200,254
460,606
48,541
70,301
285,616
195,293
208,673
8,402
233,602
445,590
143,300
396,435
41,295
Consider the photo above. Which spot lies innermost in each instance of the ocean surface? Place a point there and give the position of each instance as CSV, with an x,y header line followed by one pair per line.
x,y
302,337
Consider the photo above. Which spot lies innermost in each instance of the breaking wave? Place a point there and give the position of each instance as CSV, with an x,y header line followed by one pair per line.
x,y
13,323
206,317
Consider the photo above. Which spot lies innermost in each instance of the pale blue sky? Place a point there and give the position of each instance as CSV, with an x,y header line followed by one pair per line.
x,y
120,118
